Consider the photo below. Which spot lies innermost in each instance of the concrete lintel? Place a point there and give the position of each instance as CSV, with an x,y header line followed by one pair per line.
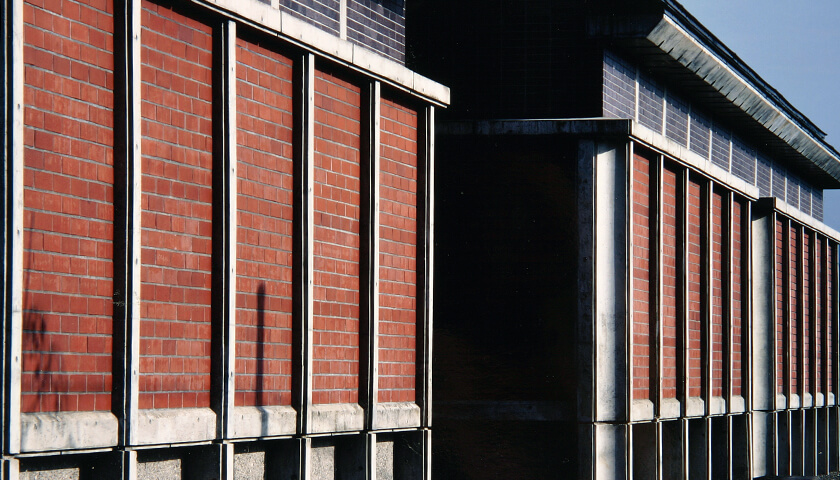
x,y
253,422
669,408
175,425
396,415
333,418
272,20
717,406
42,432
641,410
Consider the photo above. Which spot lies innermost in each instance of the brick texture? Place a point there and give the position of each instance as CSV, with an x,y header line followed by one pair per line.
x,y
696,218
794,276
641,278
717,300
264,232
669,283
177,212
336,255
829,312
781,358
806,312
398,254
68,205
819,320
738,290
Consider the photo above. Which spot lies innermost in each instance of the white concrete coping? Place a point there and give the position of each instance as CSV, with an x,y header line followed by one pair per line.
x,y
67,431
695,407
829,399
819,400
717,406
807,400
737,404
794,401
332,418
396,415
283,24
781,402
641,410
174,425
253,422
669,408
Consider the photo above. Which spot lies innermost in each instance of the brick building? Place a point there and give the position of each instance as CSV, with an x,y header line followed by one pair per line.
x,y
217,240
633,276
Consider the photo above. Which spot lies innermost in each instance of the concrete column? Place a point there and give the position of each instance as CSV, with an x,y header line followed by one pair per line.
x,y
762,336
602,324
762,445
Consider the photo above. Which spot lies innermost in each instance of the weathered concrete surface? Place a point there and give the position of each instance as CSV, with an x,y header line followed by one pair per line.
x,y
175,425
159,470
67,431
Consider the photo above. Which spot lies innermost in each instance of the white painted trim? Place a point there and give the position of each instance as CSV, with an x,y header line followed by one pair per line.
x,y
42,432
135,212
232,181
15,240
309,237
429,153
375,241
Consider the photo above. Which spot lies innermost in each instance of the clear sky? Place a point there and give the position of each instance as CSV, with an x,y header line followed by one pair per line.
x,y
795,47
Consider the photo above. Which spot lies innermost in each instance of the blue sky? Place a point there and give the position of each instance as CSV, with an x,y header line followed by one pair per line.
x,y
794,46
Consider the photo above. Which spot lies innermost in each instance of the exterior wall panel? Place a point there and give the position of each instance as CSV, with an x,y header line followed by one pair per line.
x,y
641,277
670,282
337,210
68,206
398,254
264,234
782,360
718,284
177,210
738,252
794,284
696,218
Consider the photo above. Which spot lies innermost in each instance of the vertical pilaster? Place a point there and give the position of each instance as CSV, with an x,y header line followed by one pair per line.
x,y
224,227
728,259
369,329
342,19
13,236
656,277
304,215
127,230
425,262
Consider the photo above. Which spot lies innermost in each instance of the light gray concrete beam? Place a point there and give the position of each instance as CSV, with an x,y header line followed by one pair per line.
x,y
68,431
254,422
175,425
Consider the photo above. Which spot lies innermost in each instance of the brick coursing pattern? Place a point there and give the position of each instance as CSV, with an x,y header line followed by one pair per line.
x,y
718,284
806,312
669,282
398,254
68,205
641,277
264,232
696,219
794,276
176,202
336,247
738,267
780,309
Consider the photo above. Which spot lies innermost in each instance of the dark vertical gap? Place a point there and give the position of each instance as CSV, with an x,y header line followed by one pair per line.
x,y
123,227
261,338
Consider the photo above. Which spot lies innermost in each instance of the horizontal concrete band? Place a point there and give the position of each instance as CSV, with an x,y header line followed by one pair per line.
x,y
332,418
396,415
294,29
67,431
253,422
175,425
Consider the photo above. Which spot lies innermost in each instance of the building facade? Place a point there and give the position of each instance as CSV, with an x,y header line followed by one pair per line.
x,y
633,276
217,240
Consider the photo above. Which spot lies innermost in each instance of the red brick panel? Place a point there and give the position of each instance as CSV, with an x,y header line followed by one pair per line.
x,y
829,313
806,312
336,262
669,282
398,254
717,299
264,231
177,211
696,218
68,206
793,275
737,297
781,356
641,277
819,320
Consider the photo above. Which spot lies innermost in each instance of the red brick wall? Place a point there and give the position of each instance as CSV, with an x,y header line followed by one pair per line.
x,y
793,274
336,262
641,277
806,311
669,282
398,254
695,285
177,212
68,205
829,313
264,232
717,294
780,309
737,296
